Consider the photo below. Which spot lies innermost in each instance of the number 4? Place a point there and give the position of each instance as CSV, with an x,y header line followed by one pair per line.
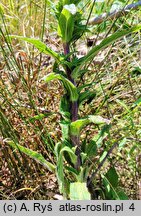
x,y
132,207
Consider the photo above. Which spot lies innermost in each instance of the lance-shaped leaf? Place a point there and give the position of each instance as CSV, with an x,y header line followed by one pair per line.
x,y
76,126
102,134
71,152
112,176
107,41
67,84
60,166
60,173
110,191
40,46
33,154
91,149
65,129
57,149
65,107
66,22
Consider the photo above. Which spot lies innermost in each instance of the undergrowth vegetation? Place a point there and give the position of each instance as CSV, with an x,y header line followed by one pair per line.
x,y
70,100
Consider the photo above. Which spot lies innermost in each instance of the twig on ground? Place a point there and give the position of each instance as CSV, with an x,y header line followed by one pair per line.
x,y
114,14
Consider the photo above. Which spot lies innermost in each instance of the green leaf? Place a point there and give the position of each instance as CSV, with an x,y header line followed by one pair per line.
x,y
107,188
65,129
40,46
122,195
71,153
110,192
91,149
87,96
83,157
57,149
36,156
66,25
64,107
132,149
65,2
103,156
39,117
72,170
138,102
136,71
88,85
76,126
112,177
103,133
67,84
81,72
60,173
107,41
60,166
84,173
98,120
79,191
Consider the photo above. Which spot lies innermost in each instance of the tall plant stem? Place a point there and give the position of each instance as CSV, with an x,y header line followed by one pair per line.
x,y
66,47
73,110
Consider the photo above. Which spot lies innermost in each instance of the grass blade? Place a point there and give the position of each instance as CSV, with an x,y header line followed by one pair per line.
x,y
39,45
34,155
107,41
